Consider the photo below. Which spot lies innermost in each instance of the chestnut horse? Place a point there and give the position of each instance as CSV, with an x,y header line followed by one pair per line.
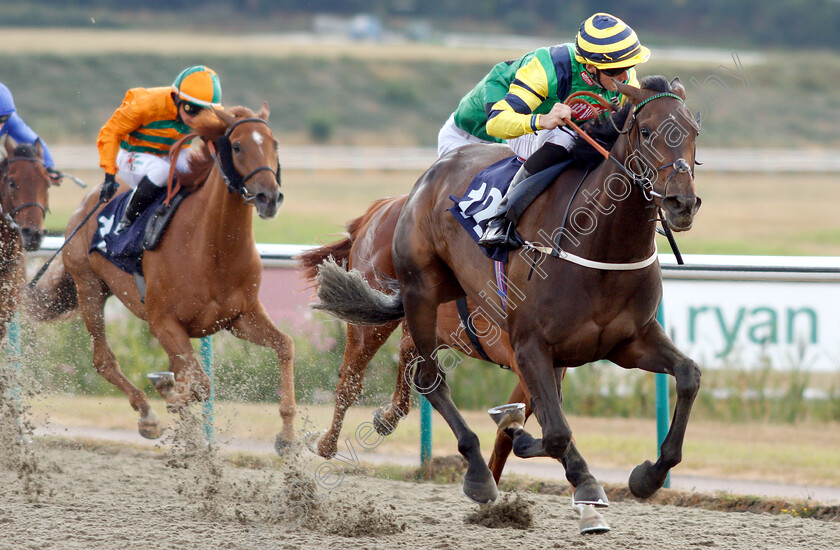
x,y
24,185
203,277
562,309
367,249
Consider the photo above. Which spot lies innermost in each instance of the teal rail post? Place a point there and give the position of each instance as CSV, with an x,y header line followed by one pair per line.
x,y
14,355
425,430
663,402
207,406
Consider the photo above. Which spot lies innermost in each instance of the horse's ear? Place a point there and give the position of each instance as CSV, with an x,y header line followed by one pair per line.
x,y
630,92
39,148
264,111
227,118
10,147
677,87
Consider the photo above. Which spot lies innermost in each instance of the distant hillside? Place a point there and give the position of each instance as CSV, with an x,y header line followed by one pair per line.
x,y
349,95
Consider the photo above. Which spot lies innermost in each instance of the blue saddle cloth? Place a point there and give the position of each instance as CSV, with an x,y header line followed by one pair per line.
x,y
483,196
126,249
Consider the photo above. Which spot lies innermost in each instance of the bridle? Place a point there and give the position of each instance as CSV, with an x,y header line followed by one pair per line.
x,y
640,178
9,216
639,175
224,161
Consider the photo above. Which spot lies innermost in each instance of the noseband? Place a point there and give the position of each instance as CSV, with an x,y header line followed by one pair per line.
x,y
10,215
224,160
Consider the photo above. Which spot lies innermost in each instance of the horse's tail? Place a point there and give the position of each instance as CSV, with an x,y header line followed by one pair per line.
x,y
53,296
311,260
348,296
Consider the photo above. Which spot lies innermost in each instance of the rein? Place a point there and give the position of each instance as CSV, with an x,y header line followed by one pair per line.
x,y
645,183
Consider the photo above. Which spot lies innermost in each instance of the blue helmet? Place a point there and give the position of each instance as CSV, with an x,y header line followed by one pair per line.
x,y
7,102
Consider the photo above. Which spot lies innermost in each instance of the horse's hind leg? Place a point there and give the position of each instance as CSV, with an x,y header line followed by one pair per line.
x,y
91,305
191,382
387,416
362,344
423,289
256,327
653,351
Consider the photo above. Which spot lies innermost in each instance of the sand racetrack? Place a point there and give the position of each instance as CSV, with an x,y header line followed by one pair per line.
x,y
63,494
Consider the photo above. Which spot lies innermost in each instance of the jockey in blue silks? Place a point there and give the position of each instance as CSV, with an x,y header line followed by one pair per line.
x,y
12,125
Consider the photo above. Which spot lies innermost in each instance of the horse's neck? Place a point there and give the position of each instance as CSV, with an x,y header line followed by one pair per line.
x,y
224,218
611,228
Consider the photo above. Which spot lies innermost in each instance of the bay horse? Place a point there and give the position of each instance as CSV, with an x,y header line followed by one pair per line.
x,y
367,249
203,277
24,193
562,309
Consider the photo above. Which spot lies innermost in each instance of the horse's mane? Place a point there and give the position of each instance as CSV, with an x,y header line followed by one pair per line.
x,y
27,150
605,131
210,125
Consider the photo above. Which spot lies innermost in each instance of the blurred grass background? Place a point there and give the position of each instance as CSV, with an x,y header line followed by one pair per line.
x,y
68,82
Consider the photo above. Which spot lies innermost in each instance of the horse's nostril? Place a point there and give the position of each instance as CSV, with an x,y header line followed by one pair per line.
x,y
679,203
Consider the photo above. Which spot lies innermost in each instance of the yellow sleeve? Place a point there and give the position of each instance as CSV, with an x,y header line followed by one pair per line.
x,y
127,118
512,116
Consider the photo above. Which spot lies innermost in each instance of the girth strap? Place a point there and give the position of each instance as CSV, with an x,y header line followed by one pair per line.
x,y
469,328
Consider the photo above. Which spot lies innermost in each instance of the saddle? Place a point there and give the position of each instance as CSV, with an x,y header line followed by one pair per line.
x,y
126,249
480,202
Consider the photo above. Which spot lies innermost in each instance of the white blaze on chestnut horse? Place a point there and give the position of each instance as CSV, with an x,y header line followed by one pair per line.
x,y
203,277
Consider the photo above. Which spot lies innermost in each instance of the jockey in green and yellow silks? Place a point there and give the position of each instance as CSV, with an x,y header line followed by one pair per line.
x,y
521,102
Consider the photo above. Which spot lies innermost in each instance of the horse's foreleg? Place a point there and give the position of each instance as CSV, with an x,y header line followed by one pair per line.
x,y
256,327
653,351
191,382
91,304
387,416
543,383
362,344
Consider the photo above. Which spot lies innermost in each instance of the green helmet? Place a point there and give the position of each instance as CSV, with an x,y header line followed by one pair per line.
x,y
199,85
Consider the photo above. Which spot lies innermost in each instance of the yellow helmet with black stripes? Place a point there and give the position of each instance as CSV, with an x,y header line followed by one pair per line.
x,y
607,42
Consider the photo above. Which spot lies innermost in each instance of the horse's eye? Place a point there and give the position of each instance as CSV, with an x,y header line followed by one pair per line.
x,y
12,184
236,147
645,132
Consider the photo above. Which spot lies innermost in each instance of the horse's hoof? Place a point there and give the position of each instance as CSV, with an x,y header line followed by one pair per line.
x,y
312,441
163,382
591,522
381,425
482,492
149,426
525,446
282,447
162,379
511,415
590,493
642,482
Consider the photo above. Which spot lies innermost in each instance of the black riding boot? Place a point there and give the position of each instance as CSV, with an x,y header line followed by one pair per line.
x,y
141,198
501,228
501,231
